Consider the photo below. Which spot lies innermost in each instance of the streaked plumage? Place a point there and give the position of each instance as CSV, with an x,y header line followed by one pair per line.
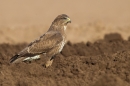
x,y
50,43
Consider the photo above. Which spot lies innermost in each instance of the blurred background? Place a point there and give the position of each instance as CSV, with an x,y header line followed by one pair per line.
x,y
26,20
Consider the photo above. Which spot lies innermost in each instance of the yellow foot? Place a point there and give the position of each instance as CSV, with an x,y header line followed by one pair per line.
x,y
48,63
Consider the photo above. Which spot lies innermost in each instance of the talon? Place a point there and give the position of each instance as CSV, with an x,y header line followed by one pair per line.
x,y
48,63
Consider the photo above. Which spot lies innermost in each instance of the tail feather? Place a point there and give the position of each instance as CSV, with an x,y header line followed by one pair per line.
x,y
14,58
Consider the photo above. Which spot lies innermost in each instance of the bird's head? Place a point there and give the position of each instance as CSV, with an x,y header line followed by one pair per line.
x,y
62,19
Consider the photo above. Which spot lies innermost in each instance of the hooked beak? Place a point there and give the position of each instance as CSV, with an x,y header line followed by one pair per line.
x,y
68,20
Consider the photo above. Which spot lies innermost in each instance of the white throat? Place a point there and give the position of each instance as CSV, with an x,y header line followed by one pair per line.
x,y
65,27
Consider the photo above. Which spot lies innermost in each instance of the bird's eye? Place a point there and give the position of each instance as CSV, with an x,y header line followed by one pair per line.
x,y
64,18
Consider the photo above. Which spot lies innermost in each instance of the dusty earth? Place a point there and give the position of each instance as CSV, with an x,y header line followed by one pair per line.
x,y
102,63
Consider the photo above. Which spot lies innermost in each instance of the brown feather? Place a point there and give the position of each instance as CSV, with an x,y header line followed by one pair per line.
x,y
45,43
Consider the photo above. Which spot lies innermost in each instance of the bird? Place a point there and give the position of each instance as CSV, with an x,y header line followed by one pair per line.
x,y
50,43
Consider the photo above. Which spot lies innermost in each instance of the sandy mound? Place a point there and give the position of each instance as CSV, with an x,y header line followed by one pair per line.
x,y
102,63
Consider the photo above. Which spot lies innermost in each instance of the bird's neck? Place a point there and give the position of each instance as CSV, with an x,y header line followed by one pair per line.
x,y
58,28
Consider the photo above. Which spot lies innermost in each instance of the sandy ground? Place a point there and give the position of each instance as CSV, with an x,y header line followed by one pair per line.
x,y
89,32
102,63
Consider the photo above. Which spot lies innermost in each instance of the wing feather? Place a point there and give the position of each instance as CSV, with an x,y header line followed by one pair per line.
x,y
45,42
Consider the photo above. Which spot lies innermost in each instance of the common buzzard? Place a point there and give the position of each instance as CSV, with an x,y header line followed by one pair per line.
x,y
50,43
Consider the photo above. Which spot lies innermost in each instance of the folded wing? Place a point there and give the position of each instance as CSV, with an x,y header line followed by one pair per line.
x,y
39,46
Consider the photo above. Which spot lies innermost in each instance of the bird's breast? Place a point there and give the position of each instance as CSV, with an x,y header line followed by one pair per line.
x,y
62,44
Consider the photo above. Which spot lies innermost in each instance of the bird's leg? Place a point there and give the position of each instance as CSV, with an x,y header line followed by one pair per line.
x,y
49,62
